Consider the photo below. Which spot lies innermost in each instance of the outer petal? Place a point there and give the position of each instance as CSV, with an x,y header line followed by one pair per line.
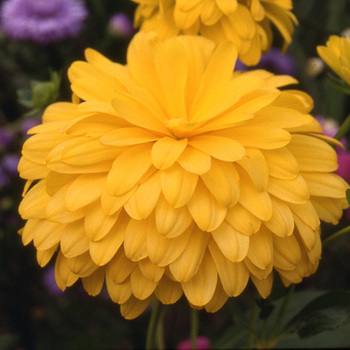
x,y
233,244
201,287
206,211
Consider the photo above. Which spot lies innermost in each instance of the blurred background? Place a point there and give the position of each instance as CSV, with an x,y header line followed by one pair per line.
x,y
34,313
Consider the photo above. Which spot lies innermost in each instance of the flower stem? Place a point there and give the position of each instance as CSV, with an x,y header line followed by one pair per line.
x,y
274,333
154,328
336,235
194,328
252,325
344,129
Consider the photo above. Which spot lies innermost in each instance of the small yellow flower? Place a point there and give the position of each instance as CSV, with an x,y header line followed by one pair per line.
x,y
336,54
176,175
246,23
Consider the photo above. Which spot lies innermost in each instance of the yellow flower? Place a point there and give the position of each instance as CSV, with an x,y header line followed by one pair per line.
x,y
336,54
246,23
176,175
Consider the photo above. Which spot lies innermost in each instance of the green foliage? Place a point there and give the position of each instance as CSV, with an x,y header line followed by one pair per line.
x,y
325,313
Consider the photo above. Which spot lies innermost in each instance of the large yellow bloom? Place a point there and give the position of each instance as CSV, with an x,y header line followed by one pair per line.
x,y
247,23
336,54
177,175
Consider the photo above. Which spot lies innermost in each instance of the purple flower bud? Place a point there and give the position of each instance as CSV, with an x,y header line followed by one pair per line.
x,y
121,25
203,343
42,21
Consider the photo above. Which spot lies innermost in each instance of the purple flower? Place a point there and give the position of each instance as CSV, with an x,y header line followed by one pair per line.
x,y
203,343
50,282
28,123
9,163
121,25
277,62
6,138
42,21
344,165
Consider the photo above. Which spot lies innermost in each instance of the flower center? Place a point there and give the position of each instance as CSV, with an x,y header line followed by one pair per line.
x,y
180,127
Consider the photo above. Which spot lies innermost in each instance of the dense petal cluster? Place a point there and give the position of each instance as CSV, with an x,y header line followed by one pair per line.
x,y
175,174
336,54
42,21
246,23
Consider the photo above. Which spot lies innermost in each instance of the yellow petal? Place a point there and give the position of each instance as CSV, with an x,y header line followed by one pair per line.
x,y
134,307
243,220
187,264
74,241
47,234
261,249
325,185
123,137
143,201
194,161
234,276
63,274
128,169
150,270
287,252
84,190
219,147
96,223
37,147
255,165
56,209
171,222
135,240
282,221
233,244
141,287
166,151
82,265
177,185
218,300
257,202
162,250
308,235
119,268
226,175
167,291
281,163
200,289
263,286
93,284
44,256
327,209
110,204
103,250
119,292
205,210
27,232
261,137
293,191
313,154
34,203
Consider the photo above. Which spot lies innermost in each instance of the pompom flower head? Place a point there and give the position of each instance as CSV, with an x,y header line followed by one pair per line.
x,y
42,21
246,23
336,54
176,175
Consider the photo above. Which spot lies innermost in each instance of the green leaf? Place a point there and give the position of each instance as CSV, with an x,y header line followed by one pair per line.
x,y
338,83
348,195
325,313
